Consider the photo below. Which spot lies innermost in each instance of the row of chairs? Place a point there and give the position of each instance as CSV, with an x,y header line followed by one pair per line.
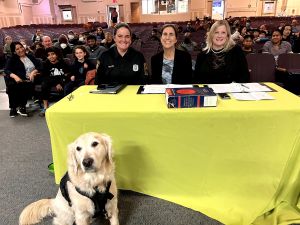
x,y
262,66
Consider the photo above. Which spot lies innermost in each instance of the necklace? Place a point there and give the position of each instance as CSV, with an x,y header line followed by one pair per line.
x,y
217,51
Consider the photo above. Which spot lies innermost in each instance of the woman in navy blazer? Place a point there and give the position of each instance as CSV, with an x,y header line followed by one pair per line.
x,y
171,65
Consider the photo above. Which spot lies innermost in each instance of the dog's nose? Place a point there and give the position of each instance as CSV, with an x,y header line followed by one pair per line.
x,y
87,162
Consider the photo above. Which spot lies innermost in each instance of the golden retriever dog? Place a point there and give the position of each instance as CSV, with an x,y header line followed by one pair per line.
x,y
86,191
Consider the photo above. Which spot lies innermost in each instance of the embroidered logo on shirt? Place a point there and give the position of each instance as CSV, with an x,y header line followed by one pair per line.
x,y
135,67
111,66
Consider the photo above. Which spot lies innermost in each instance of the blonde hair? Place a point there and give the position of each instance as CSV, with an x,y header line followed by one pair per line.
x,y
229,44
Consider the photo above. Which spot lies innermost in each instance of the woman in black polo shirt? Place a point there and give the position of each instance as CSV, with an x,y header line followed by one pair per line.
x,y
121,64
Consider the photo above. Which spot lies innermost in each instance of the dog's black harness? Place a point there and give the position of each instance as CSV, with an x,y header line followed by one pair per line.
x,y
99,198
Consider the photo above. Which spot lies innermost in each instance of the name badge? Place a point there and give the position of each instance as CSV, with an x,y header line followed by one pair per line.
x,y
135,67
111,66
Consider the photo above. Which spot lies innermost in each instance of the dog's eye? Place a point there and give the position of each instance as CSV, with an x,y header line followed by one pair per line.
x,y
94,144
78,148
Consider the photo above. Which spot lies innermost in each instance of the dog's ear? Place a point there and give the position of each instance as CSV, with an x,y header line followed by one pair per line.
x,y
108,146
72,161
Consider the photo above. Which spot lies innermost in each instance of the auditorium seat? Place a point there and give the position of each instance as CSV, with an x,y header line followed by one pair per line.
x,y
289,68
289,61
261,67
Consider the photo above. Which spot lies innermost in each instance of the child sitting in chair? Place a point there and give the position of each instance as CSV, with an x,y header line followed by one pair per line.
x,y
55,72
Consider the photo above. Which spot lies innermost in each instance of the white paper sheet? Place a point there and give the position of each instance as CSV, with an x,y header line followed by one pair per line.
x,y
252,96
239,87
161,88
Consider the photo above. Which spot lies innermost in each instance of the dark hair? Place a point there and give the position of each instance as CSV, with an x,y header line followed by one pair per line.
x,y
170,25
120,25
248,36
56,51
13,46
263,32
87,55
63,39
287,25
91,37
277,30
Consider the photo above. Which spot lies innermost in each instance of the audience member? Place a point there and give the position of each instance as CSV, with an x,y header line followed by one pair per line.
x,y
41,52
295,26
136,42
63,45
55,72
73,38
281,25
199,25
287,34
37,37
262,37
108,41
81,39
221,61
28,50
238,35
99,35
189,28
247,45
6,48
121,64
79,68
155,35
93,49
171,65
276,46
263,27
20,70
255,34
248,24
187,44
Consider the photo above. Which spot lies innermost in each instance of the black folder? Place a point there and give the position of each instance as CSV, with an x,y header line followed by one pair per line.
x,y
107,89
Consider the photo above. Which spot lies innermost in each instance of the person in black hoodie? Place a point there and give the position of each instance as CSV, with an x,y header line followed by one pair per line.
x,y
55,72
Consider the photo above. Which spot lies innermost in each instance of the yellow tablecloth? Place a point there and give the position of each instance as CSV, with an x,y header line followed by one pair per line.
x,y
237,162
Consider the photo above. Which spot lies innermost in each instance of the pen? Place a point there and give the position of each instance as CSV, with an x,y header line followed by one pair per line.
x,y
243,85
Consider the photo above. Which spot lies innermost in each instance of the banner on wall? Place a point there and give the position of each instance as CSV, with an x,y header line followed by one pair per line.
x,y
218,9
269,7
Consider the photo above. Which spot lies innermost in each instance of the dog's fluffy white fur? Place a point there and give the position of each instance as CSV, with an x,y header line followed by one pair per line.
x,y
96,148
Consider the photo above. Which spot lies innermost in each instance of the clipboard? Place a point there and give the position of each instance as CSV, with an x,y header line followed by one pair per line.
x,y
109,89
